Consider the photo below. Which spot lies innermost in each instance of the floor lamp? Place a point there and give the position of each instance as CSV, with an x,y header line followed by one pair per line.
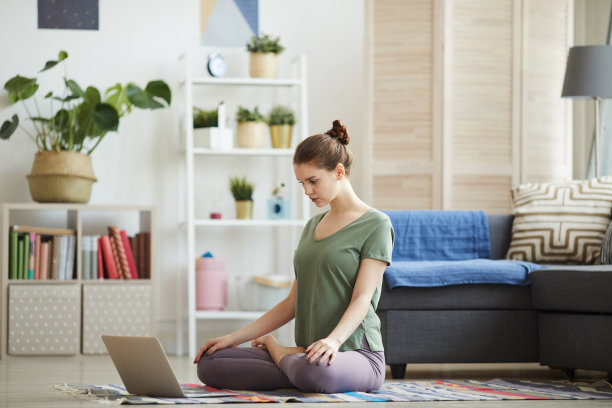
x,y
589,75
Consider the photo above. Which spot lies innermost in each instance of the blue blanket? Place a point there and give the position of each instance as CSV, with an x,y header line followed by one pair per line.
x,y
444,273
427,235
440,248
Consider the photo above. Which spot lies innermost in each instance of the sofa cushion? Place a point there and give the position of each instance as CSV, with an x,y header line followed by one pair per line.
x,y
560,222
458,297
574,288
500,232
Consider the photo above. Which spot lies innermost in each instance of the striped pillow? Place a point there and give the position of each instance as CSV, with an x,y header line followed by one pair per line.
x,y
560,222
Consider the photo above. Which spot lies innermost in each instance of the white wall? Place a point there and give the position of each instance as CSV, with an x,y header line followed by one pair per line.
x,y
140,40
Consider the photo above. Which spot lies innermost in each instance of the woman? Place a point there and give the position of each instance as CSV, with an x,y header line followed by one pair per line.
x,y
339,265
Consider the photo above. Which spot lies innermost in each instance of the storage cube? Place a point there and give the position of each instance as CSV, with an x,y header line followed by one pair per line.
x,y
122,310
43,319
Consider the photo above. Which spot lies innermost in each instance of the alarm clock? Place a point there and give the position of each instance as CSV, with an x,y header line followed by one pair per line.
x,y
216,65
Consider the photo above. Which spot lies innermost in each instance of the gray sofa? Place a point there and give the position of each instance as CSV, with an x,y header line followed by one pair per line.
x,y
563,319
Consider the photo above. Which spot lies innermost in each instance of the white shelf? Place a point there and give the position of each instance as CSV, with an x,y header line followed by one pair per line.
x,y
243,152
248,223
227,314
246,81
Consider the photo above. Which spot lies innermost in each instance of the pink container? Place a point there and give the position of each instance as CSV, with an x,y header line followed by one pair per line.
x,y
211,284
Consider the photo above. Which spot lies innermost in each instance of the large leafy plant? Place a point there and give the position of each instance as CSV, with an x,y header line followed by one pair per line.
x,y
79,119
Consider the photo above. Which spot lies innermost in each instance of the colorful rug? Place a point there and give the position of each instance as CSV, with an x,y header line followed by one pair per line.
x,y
409,391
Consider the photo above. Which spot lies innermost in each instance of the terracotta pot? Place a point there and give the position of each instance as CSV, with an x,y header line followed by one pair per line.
x,y
281,136
61,177
244,209
251,135
263,65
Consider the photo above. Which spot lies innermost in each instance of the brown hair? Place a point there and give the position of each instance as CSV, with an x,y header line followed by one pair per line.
x,y
326,150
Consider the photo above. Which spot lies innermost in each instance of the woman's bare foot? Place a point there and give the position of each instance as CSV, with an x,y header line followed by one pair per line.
x,y
276,350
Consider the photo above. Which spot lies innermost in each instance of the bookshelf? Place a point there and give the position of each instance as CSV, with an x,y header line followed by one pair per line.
x,y
237,91
66,317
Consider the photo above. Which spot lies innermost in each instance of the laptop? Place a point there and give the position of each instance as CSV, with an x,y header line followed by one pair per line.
x,y
145,370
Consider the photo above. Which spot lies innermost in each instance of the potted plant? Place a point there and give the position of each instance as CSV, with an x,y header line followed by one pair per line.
x,y
264,52
209,128
251,130
242,190
67,136
281,120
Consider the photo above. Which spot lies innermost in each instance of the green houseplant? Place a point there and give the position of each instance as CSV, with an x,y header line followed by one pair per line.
x,y
281,120
242,190
78,121
264,52
251,129
205,118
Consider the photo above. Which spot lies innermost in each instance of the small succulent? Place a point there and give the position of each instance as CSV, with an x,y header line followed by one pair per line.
x,y
265,43
245,115
241,188
205,119
281,115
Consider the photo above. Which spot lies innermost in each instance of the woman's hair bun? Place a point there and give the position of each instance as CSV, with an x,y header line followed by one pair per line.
x,y
339,132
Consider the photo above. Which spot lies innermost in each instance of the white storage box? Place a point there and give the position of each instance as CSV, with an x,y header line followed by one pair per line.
x,y
213,138
261,293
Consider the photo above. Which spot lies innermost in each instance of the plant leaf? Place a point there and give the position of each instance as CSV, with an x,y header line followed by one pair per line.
x,y
105,117
20,88
137,96
39,119
62,55
49,94
92,95
9,127
159,89
74,88
66,99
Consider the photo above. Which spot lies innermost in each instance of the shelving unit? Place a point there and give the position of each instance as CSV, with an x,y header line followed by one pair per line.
x,y
298,84
93,307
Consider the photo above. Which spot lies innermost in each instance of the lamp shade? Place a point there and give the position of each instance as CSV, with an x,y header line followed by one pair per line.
x,y
589,72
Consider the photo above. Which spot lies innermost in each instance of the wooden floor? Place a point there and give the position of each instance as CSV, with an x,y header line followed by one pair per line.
x,y
27,381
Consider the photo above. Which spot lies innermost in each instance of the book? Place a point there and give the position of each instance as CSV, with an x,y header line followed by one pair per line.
x,y
43,273
128,254
85,257
109,260
34,244
14,253
134,244
43,230
26,256
147,236
70,257
55,257
122,262
20,258
115,257
36,255
63,257
100,261
93,257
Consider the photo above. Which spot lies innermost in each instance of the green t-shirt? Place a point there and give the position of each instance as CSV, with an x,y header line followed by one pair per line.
x,y
326,272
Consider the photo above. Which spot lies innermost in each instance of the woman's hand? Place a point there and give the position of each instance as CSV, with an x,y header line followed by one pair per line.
x,y
213,345
326,348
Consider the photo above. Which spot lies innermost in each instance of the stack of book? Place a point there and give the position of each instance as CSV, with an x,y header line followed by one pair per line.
x,y
41,253
117,256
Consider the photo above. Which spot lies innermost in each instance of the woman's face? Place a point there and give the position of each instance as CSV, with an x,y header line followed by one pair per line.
x,y
320,185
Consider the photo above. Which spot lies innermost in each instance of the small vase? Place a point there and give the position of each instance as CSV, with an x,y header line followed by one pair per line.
x,y
244,209
61,177
263,65
281,136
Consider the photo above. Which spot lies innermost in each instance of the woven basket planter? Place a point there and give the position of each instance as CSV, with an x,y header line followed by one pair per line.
x,y
251,135
61,177
263,65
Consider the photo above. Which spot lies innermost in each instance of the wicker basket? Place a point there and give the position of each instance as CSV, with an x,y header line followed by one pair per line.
x,y
61,177
251,135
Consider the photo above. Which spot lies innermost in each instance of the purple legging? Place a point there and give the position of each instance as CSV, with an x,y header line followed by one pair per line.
x,y
250,368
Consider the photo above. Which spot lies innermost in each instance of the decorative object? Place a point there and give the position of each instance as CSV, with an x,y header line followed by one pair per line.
x,y
251,130
588,75
228,23
78,122
66,14
561,222
210,130
242,190
281,120
279,207
216,65
264,52
211,283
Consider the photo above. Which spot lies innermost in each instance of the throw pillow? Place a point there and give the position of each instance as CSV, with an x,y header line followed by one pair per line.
x,y
560,222
606,247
